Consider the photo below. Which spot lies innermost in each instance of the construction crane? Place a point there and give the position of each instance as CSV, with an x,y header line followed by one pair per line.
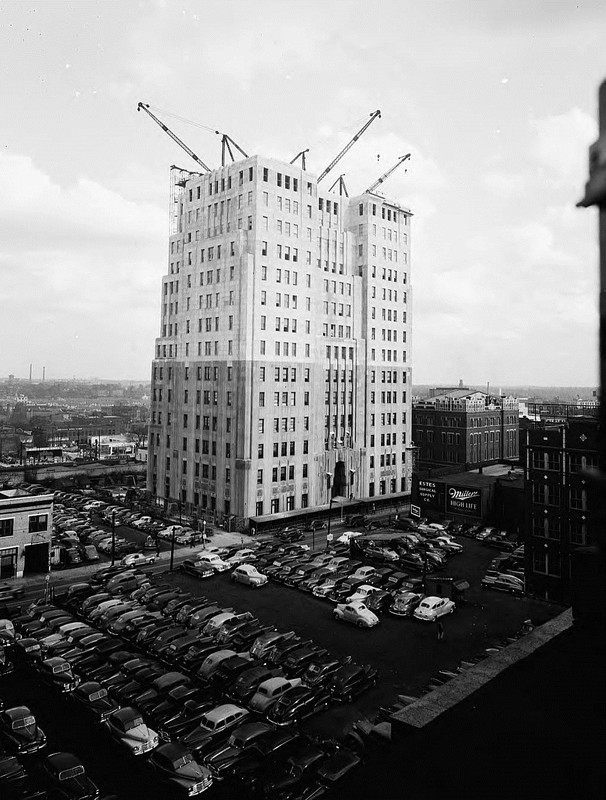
x,y
350,144
301,155
386,175
226,142
173,136
342,187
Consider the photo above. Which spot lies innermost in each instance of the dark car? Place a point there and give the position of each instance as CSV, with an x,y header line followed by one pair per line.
x,y
198,652
317,576
158,602
345,589
13,777
175,765
500,543
279,652
57,673
147,633
94,699
299,573
184,720
177,649
127,672
297,660
159,689
245,685
243,738
297,703
337,765
351,680
163,640
320,670
287,535
199,570
247,636
20,731
27,651
301,764
379,602
173,702
214,726
231,626
314,525
126,693
66,777
413,561
355,521
228,670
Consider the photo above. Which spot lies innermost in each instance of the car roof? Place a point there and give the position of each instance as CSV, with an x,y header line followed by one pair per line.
x,y
172,750
225,710
63,761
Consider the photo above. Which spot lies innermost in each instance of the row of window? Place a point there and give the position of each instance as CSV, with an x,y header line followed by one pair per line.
x,y
552,494
36,524
550,460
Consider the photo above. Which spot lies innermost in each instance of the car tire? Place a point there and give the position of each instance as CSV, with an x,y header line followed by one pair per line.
x,y
360,624
336,616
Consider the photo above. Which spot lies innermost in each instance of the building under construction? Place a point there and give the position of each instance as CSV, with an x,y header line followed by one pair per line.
x,y
282,371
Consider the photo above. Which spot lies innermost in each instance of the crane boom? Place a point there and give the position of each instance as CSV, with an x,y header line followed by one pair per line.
x,y
386,175
350,144
173,136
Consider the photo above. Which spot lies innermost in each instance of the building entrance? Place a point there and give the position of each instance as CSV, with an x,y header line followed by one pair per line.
x,y
8,562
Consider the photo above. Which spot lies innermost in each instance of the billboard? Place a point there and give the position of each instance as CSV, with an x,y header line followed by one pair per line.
x,y
461,500
430,495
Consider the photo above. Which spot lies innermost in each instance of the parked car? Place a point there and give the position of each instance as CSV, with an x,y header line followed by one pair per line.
x,y
263,643
298,703
357,613
248,682
127,727
320,670
214,561
95,700
242,556
351,680
249,575
430,609
20,731
379,602
503,583
175,765
240,742
137,559
214,726
270,691
405,603
65,777
57,673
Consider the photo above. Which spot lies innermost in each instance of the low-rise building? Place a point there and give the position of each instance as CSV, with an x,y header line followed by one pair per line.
x,y
465,427
26,523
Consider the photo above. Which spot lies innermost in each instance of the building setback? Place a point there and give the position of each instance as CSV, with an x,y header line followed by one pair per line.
x,y
282,370
555,459
463,426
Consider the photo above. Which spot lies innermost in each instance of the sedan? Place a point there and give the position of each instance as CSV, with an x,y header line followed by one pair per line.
x,y
94,699
137,559
380,602
175,765
405,603
503,583
20,731
357,613
351,680
127,727
298,703
249,576
66,777
431,608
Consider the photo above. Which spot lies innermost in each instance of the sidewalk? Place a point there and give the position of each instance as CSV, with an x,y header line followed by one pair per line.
x,y
77,574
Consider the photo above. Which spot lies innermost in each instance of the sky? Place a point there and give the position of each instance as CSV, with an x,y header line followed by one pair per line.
x,y
496,101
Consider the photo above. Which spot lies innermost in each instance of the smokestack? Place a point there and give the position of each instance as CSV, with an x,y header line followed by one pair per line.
x,y
30,372
43,374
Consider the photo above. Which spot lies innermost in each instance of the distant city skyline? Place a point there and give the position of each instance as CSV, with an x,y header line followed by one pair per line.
x,y
496,103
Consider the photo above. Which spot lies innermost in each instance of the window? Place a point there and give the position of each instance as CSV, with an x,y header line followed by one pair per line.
x,y
259,476
38,522
6,527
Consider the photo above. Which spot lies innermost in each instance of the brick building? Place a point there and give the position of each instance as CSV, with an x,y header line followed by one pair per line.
x,y
555,457
465,427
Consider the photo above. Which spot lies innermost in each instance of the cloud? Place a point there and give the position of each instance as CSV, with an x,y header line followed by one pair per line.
x,y
80,268
560,145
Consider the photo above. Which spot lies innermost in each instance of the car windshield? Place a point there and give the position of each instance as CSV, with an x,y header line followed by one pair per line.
x,y
60,668
99,695
24,722
185,759
73,772
129,724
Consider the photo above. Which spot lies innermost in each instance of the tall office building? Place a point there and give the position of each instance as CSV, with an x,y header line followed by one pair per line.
x,y
282,371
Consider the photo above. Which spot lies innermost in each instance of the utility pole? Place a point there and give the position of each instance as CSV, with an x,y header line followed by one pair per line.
x,y
113,537
172,548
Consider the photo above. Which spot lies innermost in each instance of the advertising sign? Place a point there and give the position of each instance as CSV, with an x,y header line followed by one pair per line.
x,y
415,511
430,495
460,500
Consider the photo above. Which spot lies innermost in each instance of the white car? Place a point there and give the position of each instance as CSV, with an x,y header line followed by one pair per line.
x,y
243,556
362,592
364,572
139,523
128,728
270,691
136,559
249,575
448,544
345,537
356,613
431,608
213,560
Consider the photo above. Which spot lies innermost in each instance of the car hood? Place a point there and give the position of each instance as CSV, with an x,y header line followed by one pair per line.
x,y
79,787
197,737
30,733
139,734
223,756
192,772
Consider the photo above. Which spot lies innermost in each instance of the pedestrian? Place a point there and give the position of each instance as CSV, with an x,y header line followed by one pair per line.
x,y
204,540
440,629
157,545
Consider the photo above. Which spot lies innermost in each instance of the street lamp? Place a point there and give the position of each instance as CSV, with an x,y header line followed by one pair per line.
x,y
172,548
329,487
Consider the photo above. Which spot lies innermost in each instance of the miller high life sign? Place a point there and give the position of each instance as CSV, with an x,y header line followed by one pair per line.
x,y
463,501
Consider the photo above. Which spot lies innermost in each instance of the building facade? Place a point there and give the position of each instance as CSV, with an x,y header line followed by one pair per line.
x,y
26,524
282,371
556,457
465,427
